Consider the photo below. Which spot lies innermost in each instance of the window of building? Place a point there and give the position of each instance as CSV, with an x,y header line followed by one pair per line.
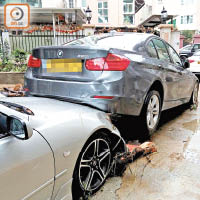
x,y
84,3
71,3
186,2
129,8
34,3
187,19
103,12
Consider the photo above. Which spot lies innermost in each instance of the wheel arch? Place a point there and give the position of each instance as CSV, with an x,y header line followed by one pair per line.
x,y
157,85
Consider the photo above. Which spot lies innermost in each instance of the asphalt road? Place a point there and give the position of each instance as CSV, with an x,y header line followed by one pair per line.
x,y
173,172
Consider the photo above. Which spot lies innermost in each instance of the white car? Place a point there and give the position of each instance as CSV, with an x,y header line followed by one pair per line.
x,y
195,63
53,150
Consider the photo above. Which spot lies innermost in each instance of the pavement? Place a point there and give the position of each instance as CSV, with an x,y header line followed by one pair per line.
x,y
170,174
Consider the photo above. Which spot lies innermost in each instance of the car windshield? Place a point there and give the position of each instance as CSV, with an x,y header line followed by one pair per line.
x,y
108,41
187,47
197,53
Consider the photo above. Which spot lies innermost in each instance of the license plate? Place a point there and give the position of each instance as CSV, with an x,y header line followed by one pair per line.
x,y
64,65
198,62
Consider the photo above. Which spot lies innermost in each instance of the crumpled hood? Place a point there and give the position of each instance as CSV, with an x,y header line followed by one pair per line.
x,y
44,109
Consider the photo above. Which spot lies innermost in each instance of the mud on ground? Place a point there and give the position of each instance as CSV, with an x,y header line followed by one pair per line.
x,y
170,174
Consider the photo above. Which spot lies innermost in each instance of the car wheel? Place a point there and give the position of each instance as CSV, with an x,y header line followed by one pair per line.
x,y
92,168
151,112
194,97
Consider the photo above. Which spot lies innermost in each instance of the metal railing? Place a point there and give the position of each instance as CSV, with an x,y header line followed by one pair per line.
x,y
28,41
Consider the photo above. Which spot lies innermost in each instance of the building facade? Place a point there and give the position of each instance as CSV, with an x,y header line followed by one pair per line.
x,y
49,3
112,13
43,11
34,3
189,16
185,13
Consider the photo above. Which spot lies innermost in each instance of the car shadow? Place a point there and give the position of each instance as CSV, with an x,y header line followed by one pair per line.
x,y
131,128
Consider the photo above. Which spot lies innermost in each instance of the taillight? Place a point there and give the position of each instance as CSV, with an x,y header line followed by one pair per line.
x,y
191,61
34,62
112,62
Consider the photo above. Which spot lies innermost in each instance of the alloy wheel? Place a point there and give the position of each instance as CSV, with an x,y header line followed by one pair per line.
x,y
153,111
94,165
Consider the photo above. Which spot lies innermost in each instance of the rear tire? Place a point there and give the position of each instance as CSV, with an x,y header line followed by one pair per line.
x,y
92,167
151,112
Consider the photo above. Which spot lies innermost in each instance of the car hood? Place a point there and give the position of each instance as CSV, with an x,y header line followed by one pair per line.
x,y
44,109
184,51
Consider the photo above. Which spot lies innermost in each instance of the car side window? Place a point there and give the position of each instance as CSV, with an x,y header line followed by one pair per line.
x,y
176,59
151,50
162,50
196,47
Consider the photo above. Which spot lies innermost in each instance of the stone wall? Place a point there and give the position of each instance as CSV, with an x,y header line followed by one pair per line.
x,y
11,78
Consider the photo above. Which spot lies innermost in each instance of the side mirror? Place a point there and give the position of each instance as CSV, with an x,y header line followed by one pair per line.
x,y
19,128
186,63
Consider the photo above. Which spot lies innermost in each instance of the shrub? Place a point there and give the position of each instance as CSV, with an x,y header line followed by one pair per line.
x,y
16,62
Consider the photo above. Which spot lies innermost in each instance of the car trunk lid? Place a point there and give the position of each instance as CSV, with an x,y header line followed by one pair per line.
x,y
66,63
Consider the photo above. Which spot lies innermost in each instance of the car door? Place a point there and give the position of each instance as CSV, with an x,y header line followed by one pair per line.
x,y
171,74
186,80
26,168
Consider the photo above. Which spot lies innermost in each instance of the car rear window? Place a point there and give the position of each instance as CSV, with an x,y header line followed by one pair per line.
x,y
125,42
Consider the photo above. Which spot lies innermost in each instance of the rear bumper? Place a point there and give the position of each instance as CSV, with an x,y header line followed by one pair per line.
x,y
82,92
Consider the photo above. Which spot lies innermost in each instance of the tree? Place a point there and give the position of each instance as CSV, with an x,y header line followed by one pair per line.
x,y
188,35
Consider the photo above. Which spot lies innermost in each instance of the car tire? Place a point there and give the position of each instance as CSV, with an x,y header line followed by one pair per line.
x,y
151,111
194,96
183,58
92,167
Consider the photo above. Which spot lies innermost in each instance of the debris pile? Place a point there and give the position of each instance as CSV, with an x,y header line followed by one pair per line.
x,y
134,150
16,91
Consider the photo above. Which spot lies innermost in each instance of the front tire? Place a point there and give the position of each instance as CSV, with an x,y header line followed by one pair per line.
x,y
92,168
151,112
